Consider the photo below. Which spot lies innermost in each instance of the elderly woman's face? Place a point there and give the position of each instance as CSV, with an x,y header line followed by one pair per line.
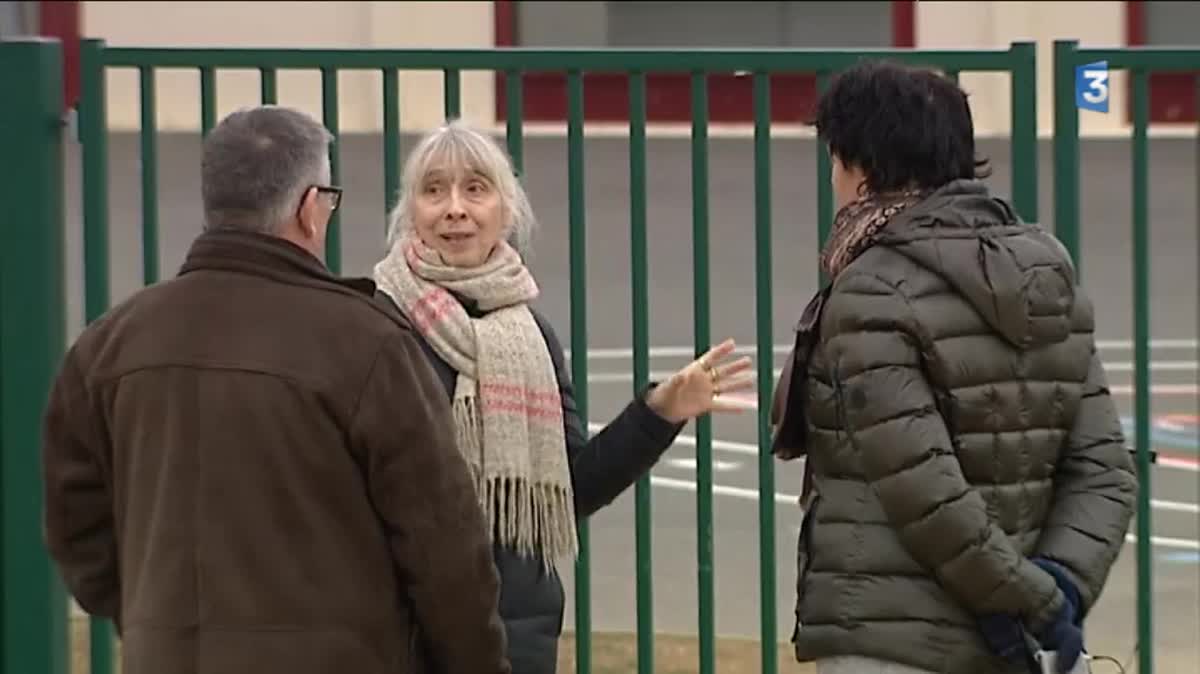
x,y
459,213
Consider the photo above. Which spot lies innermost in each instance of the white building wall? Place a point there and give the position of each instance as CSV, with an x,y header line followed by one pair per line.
x,y
424,24
996,24
344,24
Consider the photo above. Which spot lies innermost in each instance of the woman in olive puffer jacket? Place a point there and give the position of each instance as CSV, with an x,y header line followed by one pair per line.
x,y
966,482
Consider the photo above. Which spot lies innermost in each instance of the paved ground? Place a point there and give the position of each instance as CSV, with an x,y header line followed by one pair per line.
x,y
1107,274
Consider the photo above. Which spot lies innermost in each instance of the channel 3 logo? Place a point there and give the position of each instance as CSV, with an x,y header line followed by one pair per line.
x,y
1091,86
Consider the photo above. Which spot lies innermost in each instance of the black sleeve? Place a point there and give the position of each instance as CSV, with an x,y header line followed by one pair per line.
x,y
607,464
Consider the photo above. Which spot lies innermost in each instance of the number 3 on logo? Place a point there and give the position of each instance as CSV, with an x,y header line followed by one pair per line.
x,y
1091,86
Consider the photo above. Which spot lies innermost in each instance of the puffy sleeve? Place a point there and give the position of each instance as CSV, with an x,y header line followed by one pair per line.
x,y
1094,493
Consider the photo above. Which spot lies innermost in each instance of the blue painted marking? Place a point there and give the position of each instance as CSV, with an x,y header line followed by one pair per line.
x,y
1180,557
1188,440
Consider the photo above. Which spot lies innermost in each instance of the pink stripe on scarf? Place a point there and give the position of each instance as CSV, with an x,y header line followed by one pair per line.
x,y
550,397
431,308
544,404
514,407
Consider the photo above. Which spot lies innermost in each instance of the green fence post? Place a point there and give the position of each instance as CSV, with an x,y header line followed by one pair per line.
x,y
640,271
701,294
1023,84
577,222
33,631
93,134
765,329
329,116
1066,150
1141,358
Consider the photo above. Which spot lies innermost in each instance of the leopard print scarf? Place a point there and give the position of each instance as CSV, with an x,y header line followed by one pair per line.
x,y
857,224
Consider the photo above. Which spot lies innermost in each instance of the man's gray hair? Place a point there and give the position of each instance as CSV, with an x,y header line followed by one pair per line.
x,y
257,164
459,145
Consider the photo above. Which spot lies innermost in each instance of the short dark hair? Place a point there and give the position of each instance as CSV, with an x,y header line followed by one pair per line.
x,y
256,165
902,126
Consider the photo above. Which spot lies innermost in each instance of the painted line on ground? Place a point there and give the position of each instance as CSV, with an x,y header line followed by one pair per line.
x,y
604,378
690,441
784,349
717,465
1178,462
1170,432
789,499
1165,460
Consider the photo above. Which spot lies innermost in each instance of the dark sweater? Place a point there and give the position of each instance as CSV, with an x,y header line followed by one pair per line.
x,y
602,467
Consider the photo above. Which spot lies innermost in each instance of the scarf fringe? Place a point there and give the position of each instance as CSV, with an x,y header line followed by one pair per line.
x,y
537,520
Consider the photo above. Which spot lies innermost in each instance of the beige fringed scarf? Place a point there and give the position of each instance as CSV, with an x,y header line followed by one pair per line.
x,y
507,406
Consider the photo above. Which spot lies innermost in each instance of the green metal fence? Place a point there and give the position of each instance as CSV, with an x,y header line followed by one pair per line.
x,y
1139,62
32,602
21,518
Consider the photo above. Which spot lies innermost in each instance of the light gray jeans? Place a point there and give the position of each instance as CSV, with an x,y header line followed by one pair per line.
x,y
854,664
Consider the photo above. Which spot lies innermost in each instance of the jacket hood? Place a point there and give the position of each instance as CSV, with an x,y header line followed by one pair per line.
x,y
1018,277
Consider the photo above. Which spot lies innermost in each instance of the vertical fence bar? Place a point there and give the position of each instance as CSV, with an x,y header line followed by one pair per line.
x,y
700,299
515,117
93,133
1023,85
766,364
1066,151
33,621
391,140
149,147
208,99
269,86
641,361
452,98
824,175
1141,360
579,348
329,116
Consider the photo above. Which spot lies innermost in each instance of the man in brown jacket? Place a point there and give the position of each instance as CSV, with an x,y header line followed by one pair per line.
x,y
250,469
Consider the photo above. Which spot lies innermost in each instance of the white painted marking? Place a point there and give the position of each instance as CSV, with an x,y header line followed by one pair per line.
x,y
1159,390
717,465
1179,464
1155,366
1165,542
1176,506
784,349
789,499
723,490
1119,389
690,441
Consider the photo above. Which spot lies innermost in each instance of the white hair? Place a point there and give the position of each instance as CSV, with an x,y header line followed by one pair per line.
x,y
461,146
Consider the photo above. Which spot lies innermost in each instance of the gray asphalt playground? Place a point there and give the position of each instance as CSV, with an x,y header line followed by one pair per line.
x,y
1107,273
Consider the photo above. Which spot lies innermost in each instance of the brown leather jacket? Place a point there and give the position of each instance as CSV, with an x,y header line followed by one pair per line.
x,y
251,468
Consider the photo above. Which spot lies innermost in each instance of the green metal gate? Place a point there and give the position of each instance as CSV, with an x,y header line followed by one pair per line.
x,y
33,652
1140,62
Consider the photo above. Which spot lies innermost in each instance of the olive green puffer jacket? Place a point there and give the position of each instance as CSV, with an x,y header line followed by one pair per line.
x,y
956,420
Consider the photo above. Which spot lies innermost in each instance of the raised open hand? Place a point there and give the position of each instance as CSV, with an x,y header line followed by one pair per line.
x,y
699,388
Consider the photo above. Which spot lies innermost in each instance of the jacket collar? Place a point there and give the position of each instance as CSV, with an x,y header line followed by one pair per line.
x,y
266,256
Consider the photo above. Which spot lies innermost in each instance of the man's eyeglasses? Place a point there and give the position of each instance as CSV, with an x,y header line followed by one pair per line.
x,y
336,193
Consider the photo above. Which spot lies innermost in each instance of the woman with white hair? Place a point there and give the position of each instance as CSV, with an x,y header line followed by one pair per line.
x,y
455,270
